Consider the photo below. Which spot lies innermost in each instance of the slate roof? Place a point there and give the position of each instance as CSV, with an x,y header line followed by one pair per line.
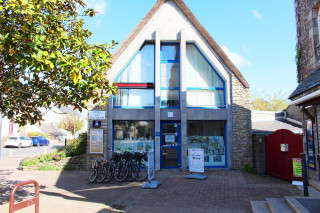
x,y
50,129
187,12
311,81
271,126
70,111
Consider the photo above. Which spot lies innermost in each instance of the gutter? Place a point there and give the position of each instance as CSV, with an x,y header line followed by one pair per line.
x,y
306,98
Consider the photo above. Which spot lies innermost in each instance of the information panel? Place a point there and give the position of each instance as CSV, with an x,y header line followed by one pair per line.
x,y
310,145
297,168
96,141
151,165
196,160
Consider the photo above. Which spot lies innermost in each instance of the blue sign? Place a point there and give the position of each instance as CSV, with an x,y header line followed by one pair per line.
x,y
96,124
157,134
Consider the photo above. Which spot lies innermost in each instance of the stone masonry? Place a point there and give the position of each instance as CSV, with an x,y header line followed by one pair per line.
x,y
241,122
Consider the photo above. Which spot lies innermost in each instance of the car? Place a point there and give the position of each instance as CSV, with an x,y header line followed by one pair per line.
x,y
40,141
18,141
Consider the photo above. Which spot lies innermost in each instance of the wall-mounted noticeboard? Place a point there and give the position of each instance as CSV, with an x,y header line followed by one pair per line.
x,y
96,140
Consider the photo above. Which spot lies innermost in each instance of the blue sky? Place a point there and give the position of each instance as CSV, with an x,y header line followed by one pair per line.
x,y
258,36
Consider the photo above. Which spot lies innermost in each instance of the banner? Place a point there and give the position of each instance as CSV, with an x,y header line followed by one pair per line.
x,y
297,167
151,165
96,140
196,160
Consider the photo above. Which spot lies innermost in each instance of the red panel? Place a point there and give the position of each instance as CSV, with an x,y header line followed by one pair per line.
x,y
134,85
279,164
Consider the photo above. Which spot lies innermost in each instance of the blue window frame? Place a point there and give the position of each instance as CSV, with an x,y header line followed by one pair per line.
x,y
205,86
136,81
170,76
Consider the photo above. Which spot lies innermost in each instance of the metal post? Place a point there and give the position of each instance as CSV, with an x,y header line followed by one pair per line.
x,y
65,142
304,175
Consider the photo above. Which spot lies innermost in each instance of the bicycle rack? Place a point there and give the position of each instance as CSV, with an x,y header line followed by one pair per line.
x,y
34,201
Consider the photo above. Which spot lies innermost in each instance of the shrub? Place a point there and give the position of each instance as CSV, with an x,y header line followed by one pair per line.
x,y
248,168
48,167
30,161
78,146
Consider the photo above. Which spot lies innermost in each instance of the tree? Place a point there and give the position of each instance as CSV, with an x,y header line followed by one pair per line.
x,y
71,123
275,102
45,59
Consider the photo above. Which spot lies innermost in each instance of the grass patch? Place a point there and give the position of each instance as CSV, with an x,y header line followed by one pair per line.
x,y
48,167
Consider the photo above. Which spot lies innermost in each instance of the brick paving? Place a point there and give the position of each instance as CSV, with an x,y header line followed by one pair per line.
x,y
223,191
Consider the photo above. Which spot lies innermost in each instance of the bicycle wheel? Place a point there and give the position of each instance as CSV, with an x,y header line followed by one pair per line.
x,y
132,172
101,174
92,175
109,172
120,172
142,171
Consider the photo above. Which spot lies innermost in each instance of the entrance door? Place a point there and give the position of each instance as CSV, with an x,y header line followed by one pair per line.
x,y
170,144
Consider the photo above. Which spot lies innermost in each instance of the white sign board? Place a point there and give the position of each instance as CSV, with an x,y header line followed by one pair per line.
x,y
151,165
196,160
96,140
170,138
97,115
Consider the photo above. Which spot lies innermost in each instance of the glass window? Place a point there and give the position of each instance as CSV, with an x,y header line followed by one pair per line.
x,y
169,52
139,70
210,136
199,72
169,75
134,97
133,136
170,98
205,98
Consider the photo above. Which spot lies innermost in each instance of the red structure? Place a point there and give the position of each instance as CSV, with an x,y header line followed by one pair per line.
x,y
34,201
281,146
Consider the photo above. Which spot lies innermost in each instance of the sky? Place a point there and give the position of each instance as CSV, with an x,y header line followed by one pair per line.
x,y
258,36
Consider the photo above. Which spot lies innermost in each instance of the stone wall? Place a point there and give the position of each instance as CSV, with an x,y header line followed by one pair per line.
x,y
259,153
241,124
308,35
105,134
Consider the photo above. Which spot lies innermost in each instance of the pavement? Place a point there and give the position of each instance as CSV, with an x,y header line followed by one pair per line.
x,y
69,191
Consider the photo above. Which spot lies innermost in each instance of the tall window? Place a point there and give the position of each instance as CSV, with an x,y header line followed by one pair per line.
x,y
170,77
210,136
136,82
205,88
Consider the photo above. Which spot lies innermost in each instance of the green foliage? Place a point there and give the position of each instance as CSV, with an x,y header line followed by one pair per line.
x,y
30,161
71,123
55,155
77,147
45,59
298,63
275,102
48,167
248,168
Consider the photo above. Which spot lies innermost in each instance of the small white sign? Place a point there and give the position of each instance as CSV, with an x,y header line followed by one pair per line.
x,y
97,115
170,114
170,138
196,160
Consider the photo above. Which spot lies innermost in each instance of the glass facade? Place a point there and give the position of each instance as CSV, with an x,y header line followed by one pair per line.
x,y
205,88
133,136
139,70
210,136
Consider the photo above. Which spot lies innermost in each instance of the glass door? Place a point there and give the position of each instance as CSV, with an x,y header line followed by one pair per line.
x,y
170,144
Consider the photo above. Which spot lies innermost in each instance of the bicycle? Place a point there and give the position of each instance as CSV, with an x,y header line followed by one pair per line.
x,y
120,170
93,172
142,164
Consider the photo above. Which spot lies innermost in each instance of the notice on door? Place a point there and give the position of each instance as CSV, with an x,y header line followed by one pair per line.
x,y
196,160
297,168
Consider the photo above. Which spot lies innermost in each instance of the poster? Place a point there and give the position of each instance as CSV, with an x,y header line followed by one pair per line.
x,y
310,145
96,141
196,160
214,149
170,138
151,165
297,167
133,145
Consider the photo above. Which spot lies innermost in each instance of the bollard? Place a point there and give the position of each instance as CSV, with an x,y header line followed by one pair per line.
x,y
304,175
65,142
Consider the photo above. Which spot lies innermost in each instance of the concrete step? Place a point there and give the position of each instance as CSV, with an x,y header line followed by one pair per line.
x,y
311,189
315,184
259,207
278,205
304,204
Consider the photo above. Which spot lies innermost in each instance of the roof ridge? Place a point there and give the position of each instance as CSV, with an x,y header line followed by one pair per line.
x,y
185,9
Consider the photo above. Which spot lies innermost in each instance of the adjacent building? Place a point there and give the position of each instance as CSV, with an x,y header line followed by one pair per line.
x,y
307,94
177,89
